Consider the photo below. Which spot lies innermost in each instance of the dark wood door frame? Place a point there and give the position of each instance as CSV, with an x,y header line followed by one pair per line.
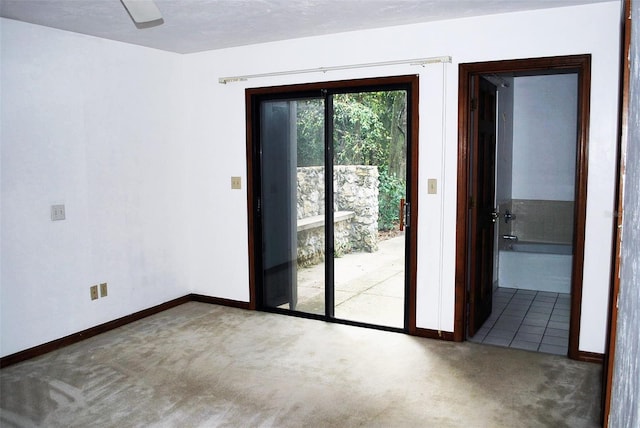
x,y
581,64
409,81
482,213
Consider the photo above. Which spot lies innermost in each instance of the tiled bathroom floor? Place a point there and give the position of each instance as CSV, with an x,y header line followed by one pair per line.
x,y
527,319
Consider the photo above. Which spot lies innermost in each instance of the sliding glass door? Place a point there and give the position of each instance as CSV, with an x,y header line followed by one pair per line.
x,y
331,200
369,141
280,208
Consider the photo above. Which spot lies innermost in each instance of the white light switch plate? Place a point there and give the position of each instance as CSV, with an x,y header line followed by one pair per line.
x,y
432,186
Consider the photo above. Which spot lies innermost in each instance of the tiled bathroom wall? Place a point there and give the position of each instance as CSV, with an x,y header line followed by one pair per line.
x,y
541,221
504,227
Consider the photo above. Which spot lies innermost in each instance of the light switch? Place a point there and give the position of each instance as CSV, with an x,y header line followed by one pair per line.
x,y
236,183
57,212
432,186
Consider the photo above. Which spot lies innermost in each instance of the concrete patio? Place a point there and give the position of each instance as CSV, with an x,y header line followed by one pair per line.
x,y
369,287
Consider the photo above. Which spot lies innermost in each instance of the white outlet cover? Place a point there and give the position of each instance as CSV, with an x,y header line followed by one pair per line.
x,y
236,182
57,212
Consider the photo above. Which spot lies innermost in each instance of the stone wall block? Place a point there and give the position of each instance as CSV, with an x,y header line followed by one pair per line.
x,y
356,190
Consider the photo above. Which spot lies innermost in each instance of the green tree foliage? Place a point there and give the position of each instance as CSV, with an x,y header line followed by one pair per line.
x,y
310,132
359,136
369,128
392,189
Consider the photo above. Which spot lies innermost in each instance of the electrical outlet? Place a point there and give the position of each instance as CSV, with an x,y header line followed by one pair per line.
x,y
94,292
103,289
57,212
236,183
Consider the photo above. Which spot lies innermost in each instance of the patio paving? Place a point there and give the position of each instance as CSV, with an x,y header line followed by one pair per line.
x,y
369,287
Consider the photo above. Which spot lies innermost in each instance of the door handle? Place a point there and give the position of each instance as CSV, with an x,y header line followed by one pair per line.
x,y
404,214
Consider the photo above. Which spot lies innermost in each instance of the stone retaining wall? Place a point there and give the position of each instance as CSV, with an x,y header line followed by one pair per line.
x,y
355,190
311,238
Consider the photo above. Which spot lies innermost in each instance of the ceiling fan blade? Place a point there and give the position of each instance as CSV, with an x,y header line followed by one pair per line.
x,y
142,11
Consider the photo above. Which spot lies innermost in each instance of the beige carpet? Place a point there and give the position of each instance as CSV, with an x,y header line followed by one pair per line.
x,y
200,365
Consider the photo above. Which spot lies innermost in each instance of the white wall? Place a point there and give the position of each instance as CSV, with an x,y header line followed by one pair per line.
x,y
504,149
504,166
92,124
217,137
141,155
544,137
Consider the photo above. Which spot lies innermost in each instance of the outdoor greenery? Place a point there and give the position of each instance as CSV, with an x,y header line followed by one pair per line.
x,y
369,128
392,189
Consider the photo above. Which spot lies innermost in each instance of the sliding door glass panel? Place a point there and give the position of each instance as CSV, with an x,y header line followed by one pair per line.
x,y
292,199
369,180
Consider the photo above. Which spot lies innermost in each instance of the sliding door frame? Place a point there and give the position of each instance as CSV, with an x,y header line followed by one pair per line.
x,y
253,96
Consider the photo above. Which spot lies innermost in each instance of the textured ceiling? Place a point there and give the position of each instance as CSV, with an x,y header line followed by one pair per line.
x,y
199,25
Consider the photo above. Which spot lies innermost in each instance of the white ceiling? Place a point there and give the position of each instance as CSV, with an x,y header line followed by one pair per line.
x,y
199,25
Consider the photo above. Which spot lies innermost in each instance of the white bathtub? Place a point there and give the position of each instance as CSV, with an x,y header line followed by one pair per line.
x,y
536,266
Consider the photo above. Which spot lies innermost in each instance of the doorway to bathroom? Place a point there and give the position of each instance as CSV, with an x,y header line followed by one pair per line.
x,y
522,199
